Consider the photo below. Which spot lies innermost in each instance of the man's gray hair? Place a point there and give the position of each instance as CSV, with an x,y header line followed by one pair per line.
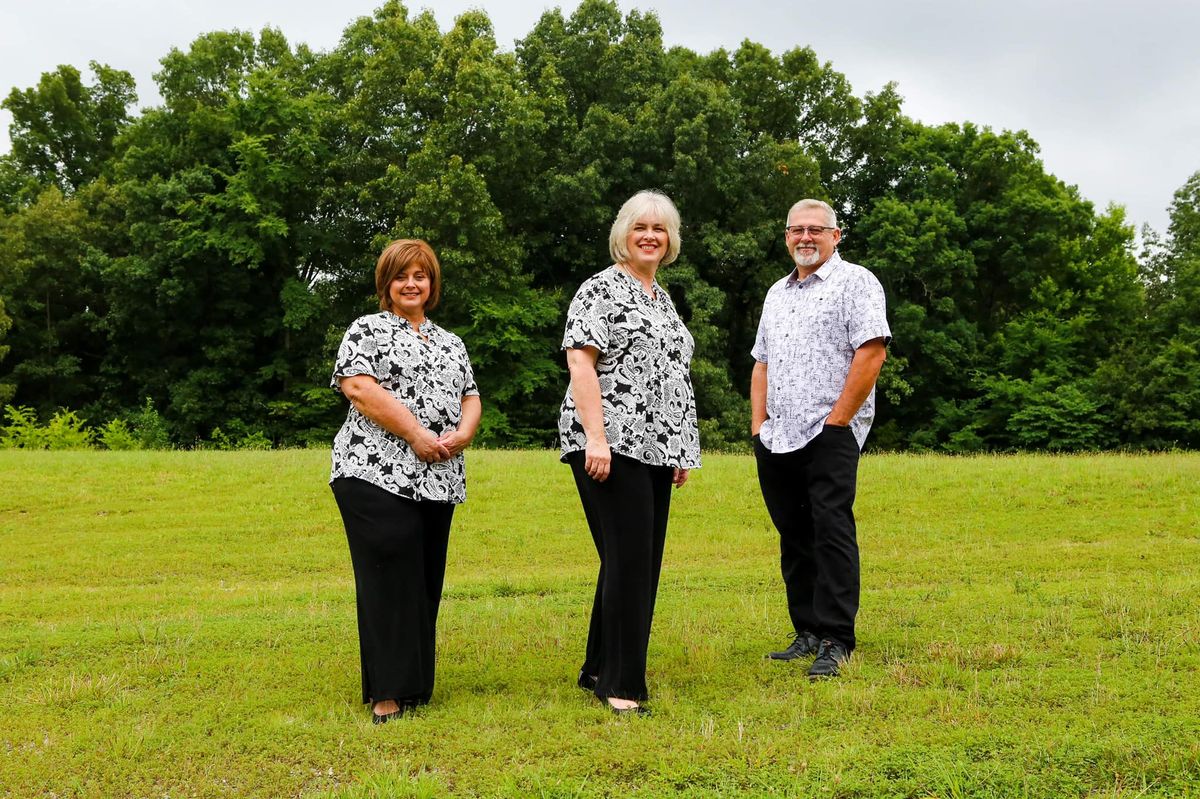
x,y
810,204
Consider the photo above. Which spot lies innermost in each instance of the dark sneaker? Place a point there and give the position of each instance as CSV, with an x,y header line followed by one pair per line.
x,y
830,656
802,645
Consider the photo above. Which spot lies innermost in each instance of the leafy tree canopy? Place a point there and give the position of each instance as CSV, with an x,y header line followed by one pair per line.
x,y
207,253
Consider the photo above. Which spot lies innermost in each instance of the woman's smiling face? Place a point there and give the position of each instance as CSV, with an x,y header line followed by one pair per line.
x,y
410,291
647,243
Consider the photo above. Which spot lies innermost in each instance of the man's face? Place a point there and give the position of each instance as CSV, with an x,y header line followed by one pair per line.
x,y
810,249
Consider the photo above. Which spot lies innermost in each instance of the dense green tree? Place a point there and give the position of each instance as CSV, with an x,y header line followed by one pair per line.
x,y
215,296
1001,282
441,149
1153,379
208,254
64,132
7,390
51,290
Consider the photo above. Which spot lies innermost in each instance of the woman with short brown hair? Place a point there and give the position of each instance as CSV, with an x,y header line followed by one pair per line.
x,y
398,471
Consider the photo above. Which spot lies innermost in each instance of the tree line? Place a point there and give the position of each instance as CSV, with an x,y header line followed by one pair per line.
x,y
205,255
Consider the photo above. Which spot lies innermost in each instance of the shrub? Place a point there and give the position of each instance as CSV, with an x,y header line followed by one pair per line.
x,y
22,430
116,435
148,427
238,437
65,430
256,440
68,430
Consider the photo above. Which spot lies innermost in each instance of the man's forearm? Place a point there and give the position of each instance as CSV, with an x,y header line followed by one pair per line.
x,y
758,397
864,371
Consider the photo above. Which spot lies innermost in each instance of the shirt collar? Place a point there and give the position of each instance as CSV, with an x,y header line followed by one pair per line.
x,y
425,327
823,272
634,283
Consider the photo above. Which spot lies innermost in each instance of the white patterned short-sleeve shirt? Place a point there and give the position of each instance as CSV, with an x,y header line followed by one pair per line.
x,y
430,378
807,336
645,384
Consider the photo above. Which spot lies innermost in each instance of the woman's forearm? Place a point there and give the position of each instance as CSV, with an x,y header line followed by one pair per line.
x,y
585,388
472,411
374,402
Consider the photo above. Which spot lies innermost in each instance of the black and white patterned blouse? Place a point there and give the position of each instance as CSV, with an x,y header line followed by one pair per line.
x,y
645,386
430,378
807,336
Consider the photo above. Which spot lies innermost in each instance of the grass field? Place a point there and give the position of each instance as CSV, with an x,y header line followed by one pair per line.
x,y
182,624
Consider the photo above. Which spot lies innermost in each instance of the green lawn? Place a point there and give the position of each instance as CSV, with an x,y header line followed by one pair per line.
x,y
182,624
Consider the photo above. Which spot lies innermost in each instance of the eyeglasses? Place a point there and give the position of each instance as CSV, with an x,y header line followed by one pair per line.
x,y
812,230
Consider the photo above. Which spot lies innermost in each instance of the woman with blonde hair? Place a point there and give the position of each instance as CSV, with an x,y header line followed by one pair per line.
x,y
628,430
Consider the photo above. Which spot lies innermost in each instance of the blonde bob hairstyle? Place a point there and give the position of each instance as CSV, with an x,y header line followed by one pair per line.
x,y
653,206
395,258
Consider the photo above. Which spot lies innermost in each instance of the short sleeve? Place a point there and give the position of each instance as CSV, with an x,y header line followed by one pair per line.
x,y
759,351
470,389
358,354
868,312
588,318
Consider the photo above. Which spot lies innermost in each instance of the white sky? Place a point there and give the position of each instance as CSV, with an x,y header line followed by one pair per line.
x,y
1110,91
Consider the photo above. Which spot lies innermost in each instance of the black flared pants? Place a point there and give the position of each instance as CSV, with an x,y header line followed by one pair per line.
x,y
809,494
627,516
398,550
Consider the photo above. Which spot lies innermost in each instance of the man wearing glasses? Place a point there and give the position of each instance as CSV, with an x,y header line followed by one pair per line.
x,y
821,341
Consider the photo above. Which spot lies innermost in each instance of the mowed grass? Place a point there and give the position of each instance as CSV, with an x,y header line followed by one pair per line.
x,y
182,624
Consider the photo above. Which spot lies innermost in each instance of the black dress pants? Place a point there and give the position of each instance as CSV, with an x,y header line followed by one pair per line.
x,y
627,516
398,550
809,494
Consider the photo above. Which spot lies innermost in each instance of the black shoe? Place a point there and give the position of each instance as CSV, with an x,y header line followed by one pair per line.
x,y
831,655
802,645
587,681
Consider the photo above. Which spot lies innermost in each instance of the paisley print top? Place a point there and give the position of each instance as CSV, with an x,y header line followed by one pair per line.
x,y
430,378
645,386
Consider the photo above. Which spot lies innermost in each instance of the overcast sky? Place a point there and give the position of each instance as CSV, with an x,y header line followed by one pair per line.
x,y
1110,91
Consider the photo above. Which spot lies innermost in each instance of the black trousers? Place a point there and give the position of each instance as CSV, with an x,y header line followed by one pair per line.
x,y
398,550
810,495
627,516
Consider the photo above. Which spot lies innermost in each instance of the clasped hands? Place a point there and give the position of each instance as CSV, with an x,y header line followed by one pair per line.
x,y
435,449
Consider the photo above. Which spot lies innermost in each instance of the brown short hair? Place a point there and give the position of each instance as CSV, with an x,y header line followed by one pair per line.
x,y
395,258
